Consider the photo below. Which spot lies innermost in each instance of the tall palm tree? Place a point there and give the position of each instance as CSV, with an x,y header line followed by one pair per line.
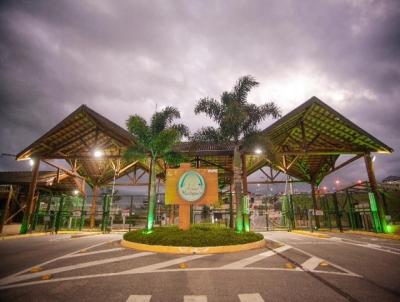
x,y
155,142
237,121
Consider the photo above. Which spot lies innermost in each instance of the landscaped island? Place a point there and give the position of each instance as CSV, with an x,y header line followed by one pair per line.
x,y
199,235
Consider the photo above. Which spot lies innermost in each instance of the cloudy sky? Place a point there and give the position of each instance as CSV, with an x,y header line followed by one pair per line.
x,y
124,57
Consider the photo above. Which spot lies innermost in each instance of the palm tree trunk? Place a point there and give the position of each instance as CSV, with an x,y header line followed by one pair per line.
x,y
237,180
152,195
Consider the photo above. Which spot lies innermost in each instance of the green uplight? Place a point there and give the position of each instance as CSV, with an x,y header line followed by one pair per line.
x,y
391,228
146,232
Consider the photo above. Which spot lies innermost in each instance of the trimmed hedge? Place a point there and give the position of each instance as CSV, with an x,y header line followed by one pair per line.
x,y
198,235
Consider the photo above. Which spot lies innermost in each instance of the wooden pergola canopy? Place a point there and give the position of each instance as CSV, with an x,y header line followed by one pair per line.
x,y
309,140
307,143
77,137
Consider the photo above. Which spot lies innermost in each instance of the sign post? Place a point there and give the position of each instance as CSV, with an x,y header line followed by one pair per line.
x,y
186,186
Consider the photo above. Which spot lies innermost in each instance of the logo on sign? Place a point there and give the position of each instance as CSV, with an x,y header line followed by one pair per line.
x,y
191,186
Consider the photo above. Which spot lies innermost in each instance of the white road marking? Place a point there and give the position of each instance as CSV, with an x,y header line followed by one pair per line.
x,y
71,267
93,253
250,298
366,245
195,298
157,266
48,262
311,263
247,261
139,298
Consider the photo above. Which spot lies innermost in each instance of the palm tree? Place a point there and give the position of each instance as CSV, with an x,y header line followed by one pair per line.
x,y
237,121
155,142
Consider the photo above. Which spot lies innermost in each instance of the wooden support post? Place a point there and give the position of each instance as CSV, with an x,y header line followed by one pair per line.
x,y
314,200
184,216
6,207
31,196
374,189
93,207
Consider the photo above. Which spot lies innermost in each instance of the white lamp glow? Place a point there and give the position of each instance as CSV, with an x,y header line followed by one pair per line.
x,y
257,151
98,153
31,162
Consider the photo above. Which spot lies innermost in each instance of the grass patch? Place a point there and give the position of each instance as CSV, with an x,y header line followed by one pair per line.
x,y
198,235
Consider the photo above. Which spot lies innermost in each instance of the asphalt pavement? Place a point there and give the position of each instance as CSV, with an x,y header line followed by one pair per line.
x,y
292,267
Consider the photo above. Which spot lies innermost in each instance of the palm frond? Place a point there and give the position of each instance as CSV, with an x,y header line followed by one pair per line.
x,y
163,119
210,107
164,141
173,158
136,152
182,129
207,134
137,126
270,109
243,87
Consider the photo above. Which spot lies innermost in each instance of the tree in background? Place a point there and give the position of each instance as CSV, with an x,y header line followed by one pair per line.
x,y
237,121
155,142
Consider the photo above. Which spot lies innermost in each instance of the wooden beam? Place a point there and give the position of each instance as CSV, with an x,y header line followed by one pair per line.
x,y
71,173
127,167
344,164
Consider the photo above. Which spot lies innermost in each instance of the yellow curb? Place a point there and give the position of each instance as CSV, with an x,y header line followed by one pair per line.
x,y
183,265
377,235
23,236
193,250
311,234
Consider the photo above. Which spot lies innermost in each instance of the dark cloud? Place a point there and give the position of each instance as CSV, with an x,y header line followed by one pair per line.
x,y
124,57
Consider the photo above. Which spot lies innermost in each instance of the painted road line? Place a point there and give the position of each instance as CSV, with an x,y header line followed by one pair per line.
x,y
330,263
367,245
194,298
250,298
311,263
47,262
71,267
93,253
139,298
247,261
157,266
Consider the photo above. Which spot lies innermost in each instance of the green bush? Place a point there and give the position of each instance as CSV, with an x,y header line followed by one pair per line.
x,y
198,235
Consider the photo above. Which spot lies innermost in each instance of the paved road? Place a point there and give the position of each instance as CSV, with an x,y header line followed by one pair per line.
x,y
293,267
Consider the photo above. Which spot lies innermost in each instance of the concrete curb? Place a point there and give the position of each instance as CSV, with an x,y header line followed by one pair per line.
x,y
193,250
311,234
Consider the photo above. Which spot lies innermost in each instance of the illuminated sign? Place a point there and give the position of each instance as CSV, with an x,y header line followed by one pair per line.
x,y
191,186
187,185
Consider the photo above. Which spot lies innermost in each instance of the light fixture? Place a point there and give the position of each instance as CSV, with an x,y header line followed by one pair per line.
x,y
324,188
76,192
98,153
257,151
337,182
373,158
359,181
31,162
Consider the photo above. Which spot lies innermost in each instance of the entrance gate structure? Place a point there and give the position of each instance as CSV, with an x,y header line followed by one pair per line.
x,y
92,147
306,143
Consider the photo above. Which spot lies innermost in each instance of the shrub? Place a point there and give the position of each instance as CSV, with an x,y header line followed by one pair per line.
x,y
198,235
